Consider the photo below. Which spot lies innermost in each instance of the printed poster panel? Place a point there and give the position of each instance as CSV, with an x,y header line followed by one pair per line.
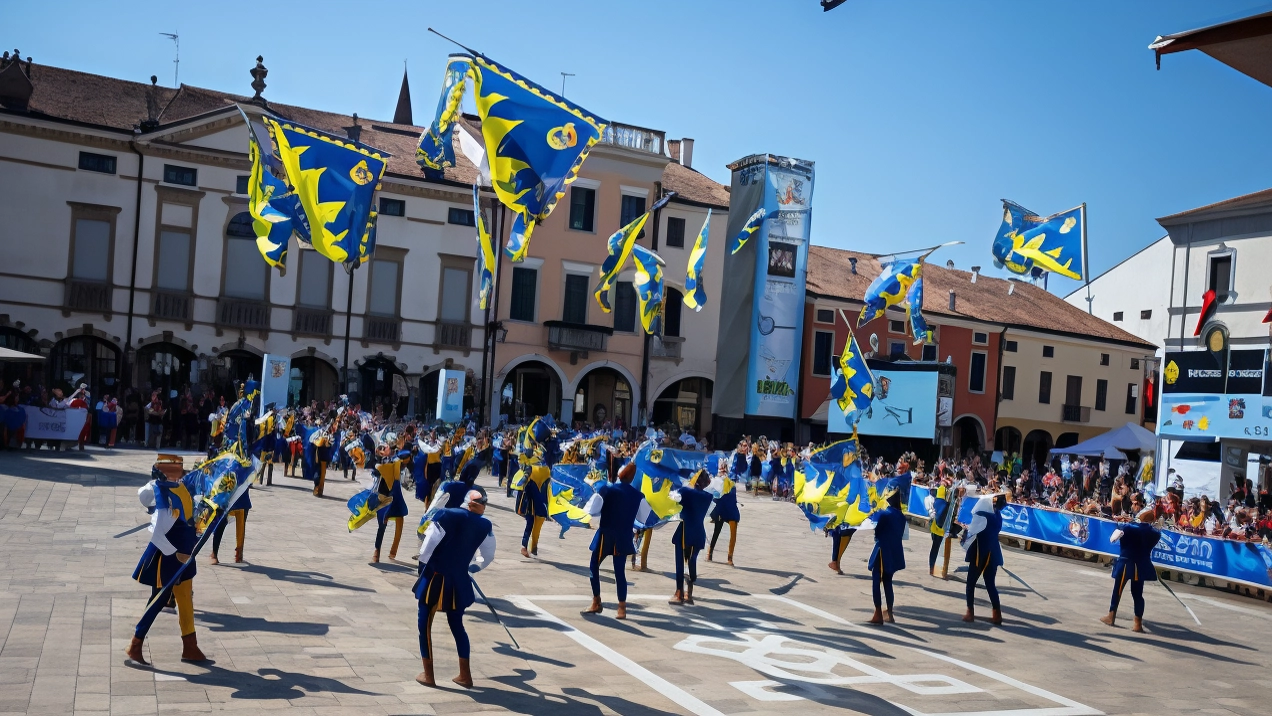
x,y
54,423
450,395
781,254
904,406
1195,406
275,379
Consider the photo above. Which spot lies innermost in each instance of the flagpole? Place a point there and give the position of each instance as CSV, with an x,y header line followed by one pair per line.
x,y
1086,263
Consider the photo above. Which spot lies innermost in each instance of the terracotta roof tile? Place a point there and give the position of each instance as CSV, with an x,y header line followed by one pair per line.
x,y
692,185
987,300
92,99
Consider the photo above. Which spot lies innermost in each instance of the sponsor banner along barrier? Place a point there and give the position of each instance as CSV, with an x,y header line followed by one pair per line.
x,y
54,423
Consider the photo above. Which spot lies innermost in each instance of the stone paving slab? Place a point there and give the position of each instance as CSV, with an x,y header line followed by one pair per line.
x,y
307,624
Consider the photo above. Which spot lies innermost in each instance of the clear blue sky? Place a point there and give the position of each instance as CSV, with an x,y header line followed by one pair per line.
x,y
919,115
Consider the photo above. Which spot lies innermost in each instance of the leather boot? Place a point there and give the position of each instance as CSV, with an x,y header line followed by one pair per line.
x,y
887,616
877,618
834,567
214,559
996,617
970,616
622,611
677,598
133,652
426,676
710,552
525,553
465,678
596,607
190,649
1109,618
238,555
689,594
730,562
375,557
1139,624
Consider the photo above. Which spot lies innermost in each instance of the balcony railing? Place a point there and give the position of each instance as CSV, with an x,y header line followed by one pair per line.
x,y
579,337
242,313
88,295
665,347
454,335
631,137
171,306
1077,414
382,329
312,321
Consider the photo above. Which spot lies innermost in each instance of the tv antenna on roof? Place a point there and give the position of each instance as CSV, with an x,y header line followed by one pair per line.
x,y
176,69
563,76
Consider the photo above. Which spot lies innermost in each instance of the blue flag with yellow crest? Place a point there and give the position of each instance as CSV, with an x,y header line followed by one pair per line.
x,y
619,246
275,209
695,291
890,288
335,180
1031,244
853,385
649,287
486,264
824,485
536,141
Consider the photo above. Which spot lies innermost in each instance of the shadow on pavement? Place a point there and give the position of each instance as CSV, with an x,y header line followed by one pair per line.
x,y
305,577
266,684
220,622
519,696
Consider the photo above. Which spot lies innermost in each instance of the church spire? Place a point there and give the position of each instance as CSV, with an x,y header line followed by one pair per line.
x,y
402,115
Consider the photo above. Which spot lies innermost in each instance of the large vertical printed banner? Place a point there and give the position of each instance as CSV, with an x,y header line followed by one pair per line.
x,y
450,395
275,377
762,292
781,255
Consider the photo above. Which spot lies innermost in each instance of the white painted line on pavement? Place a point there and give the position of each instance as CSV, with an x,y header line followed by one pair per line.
x,y
1225,605
647,677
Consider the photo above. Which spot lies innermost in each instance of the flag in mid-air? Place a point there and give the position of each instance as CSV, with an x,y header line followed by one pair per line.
x,y
486,264
649,287
1030,244
695,291
536,141
620,245
853,385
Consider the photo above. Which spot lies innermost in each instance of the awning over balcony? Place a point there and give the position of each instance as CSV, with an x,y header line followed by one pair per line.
x,y
1244,44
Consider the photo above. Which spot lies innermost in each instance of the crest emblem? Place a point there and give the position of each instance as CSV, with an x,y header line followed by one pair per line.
x,y
361,174
563,137
1171,373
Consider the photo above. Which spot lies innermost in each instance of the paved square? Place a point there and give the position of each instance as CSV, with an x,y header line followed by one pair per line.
x,y
306,623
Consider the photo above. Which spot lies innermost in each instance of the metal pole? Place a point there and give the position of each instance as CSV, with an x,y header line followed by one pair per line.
x,y
499,272
348,323
645,413
1086,261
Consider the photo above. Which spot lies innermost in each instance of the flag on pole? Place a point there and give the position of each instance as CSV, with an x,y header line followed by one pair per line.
x,y
486,264
620,245
853,385
752,224
649,287
695,291
1031,244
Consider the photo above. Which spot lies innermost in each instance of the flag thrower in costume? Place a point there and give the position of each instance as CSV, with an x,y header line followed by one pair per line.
x,y
536,141
620,245
828,485
695,291
853,386
333,180
486,264
649,287
1031,244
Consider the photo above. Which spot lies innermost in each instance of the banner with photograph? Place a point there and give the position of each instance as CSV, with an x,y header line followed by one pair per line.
x,y
904,405
450,395
275,378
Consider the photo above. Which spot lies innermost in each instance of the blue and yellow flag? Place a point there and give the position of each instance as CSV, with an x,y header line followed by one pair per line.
x,y
569,494
753,223
275,210
535,140
1031,244
853,386
889,288
486,265
649,287
823,482
335,180
619,246
658,473
363,507
695,291
914,307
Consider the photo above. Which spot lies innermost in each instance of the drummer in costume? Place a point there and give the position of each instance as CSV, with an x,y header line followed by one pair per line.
x,y
690,536
888,556
457,543
172,539
984,554
388,471
725,510
1134,564
618,505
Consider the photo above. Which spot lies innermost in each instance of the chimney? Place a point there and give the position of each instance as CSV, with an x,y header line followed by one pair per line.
x,y
951,299
258,79
402,115
673,150
686,152
975,273
1011,288
949,264
852,264
354,132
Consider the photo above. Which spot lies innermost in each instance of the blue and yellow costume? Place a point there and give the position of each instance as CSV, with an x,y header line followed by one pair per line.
x,y
690,537
259,436
1134,564
532,504
451,542
725,510
984,553
620,507
940,510
172,534
888,556
389,473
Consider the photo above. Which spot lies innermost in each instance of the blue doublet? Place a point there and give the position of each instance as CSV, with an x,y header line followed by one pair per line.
x,y
454,492
619,506
155,568
694,504
888,555
985,550
726,506
444,582
1135,560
